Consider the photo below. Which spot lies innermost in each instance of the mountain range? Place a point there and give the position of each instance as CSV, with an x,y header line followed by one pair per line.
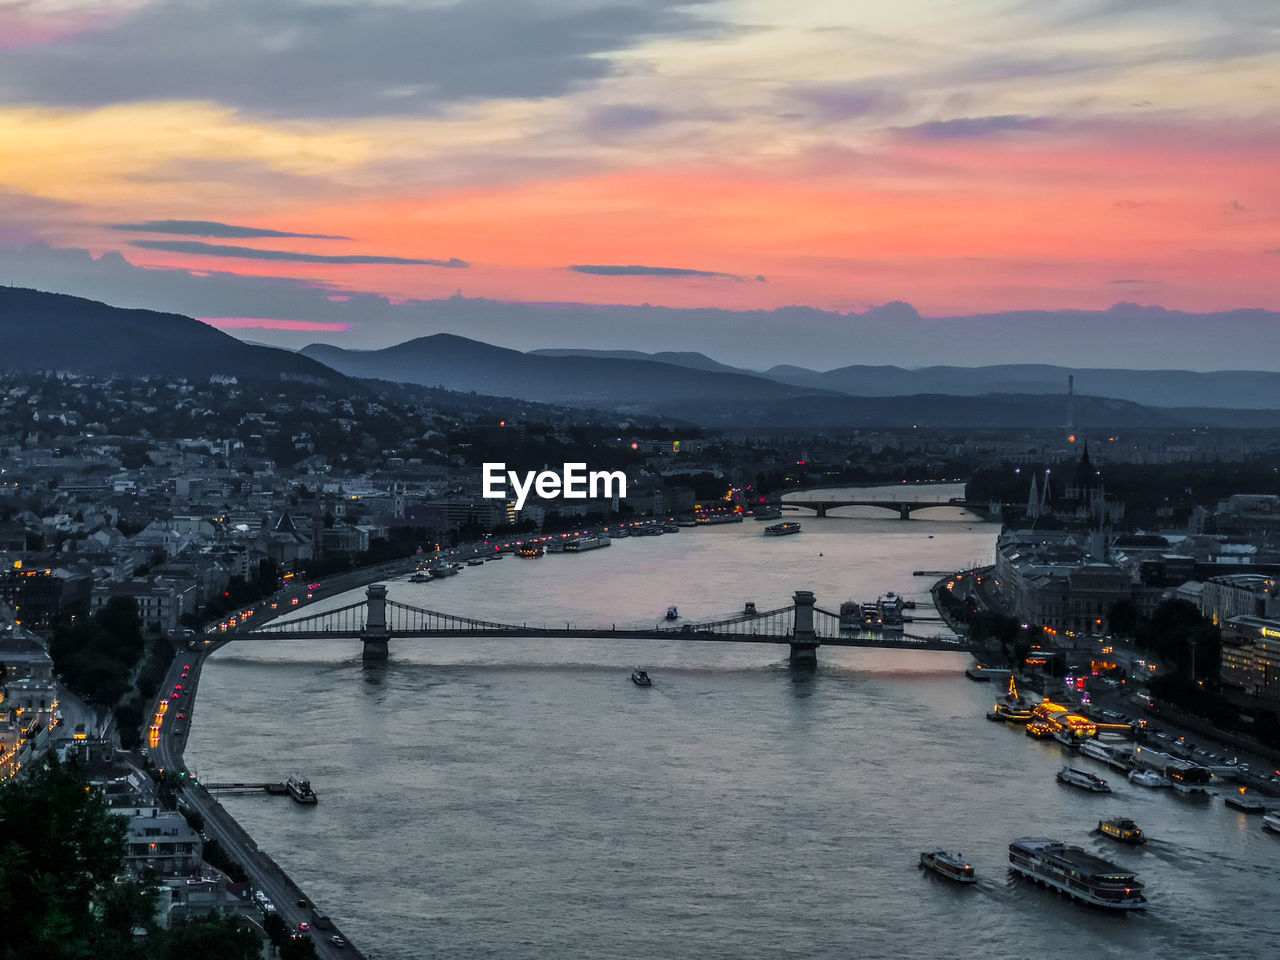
x,y
48,331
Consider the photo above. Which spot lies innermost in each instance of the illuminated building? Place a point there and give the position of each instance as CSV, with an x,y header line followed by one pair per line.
x,y
1251,656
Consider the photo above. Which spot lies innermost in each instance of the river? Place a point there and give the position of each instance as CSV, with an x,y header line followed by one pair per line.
x,y
485,798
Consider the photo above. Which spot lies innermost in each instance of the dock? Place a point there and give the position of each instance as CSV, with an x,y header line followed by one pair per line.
x,y
272,788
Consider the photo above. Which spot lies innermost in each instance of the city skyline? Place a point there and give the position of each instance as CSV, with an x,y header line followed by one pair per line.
x,y
985,158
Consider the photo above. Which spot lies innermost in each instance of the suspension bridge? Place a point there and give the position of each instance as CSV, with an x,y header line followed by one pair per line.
x,y
376,620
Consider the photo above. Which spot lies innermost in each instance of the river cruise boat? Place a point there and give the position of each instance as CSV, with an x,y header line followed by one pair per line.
x,y
767,513
1148,778
422,576
950,865
529,552
640,677
1003,713
300,790
586,543
782,529
1082,779
1038,729
444,570
850,615
1080,875
671,528
1122,829
890,606
1271,821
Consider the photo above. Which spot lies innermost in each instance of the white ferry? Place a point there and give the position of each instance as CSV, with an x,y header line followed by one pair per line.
x,y
1080,875
1083,779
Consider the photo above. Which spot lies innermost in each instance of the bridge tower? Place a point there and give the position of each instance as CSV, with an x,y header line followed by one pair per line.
x,y
804,639
376,633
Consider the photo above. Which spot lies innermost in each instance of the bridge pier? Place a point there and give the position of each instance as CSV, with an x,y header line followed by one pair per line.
x,y
376,633
904,512
821,509
804,639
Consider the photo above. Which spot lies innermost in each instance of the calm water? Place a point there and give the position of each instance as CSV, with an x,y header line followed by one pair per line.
x,y
524,799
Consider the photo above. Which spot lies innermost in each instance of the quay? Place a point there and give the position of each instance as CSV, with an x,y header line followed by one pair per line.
x,y
291,903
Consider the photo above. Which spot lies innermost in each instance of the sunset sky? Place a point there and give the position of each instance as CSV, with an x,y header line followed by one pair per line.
x,y
970,156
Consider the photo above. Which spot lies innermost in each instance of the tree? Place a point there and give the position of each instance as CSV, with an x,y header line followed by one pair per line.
x,y
60,851
1122,617
209,937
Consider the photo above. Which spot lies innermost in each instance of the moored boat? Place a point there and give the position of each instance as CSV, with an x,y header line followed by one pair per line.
x,y
1244,802
1082,779
1122,829
529,552
1148,778
950,865
1271,821
782,529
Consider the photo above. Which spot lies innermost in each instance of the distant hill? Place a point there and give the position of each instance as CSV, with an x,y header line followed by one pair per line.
x,y
457,363
1243,389
926,411
688,358
53,331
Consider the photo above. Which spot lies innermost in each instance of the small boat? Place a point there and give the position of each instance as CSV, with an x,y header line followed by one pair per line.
x,y
475,562
750,609
782,529
1244,802
673,613
949,865
1091,748
420,577
1122,829
1148,778
1082,779
300,790
640,677
1271,822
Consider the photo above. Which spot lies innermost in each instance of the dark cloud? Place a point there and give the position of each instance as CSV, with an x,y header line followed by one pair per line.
x,y
847,102
298,58
623,118
252,253
976,127
635,270
211,228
